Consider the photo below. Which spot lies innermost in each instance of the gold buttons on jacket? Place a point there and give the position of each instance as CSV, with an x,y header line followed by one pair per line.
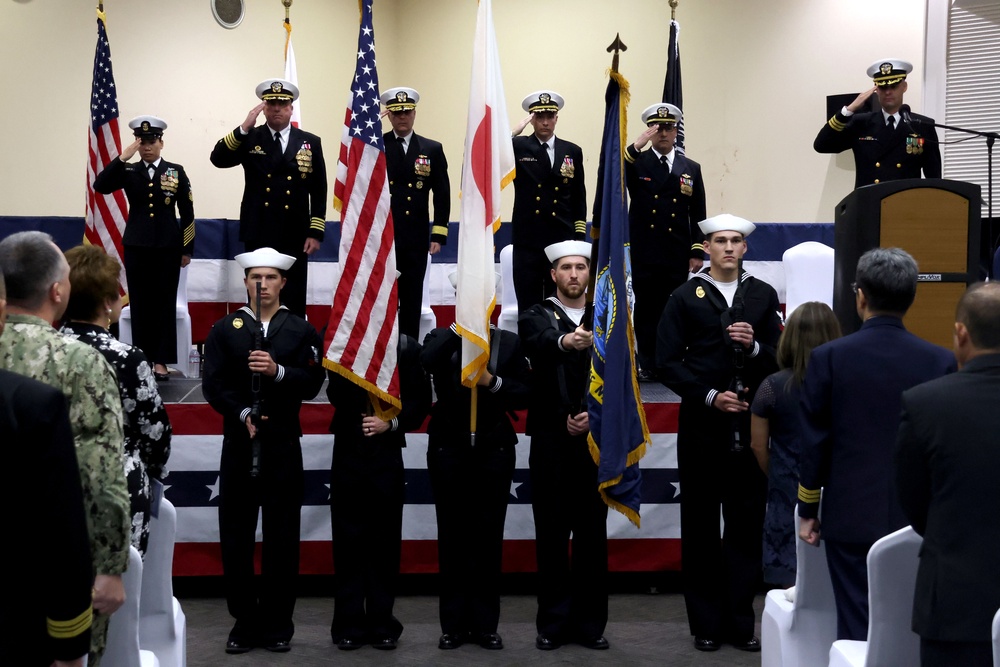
x,y
654,211
878,164
152,215
289,178
150,195
656,196
267,189
673,215
266,204
269,175
286,207
675,201
408,198
288,192
557,188
537,211
150,185
899,166
150,204
536,198
876,180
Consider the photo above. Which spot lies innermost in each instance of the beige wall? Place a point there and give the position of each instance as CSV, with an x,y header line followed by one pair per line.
x,y
756,73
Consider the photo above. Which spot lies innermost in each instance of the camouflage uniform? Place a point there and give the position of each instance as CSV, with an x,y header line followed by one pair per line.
x,y
30,346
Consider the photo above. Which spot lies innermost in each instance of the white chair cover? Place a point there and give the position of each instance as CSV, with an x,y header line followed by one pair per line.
x,y
428,320
162,624
808,274
800,632
123,630
182,322
508,309
892,575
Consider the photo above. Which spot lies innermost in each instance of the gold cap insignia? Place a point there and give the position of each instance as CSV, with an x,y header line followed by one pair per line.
x,y
663,112
401,96
544,98
885,69
276,87
145,126
238,322
700,292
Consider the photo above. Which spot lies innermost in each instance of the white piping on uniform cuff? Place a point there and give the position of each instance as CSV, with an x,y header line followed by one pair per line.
x,y
244,414
394,424
755,351
495,384
279,376
712,393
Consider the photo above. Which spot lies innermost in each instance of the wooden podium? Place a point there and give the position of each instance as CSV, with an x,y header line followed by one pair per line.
x,y
936,221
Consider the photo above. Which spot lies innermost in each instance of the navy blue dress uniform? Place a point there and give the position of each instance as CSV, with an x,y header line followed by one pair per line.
x,y
471,484
947,455
695,359
572,589
413,175
262,608
154,240
884,151
666,205
850,416
53,582
284,194
550,203
366,503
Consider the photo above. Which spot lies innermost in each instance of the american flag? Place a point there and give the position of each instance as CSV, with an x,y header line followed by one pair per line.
x,y
362,334
106,214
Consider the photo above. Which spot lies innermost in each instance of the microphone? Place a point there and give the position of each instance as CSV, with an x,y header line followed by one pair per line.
x,y
904,112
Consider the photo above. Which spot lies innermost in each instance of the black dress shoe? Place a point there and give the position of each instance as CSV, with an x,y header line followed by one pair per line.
x,y
704,644
348,644
448,642
490,641
161,377
235,646
752,645
543,643
597,643
384,644
278,646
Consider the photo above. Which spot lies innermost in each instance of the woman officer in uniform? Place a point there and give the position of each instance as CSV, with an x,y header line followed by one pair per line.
x,y
156,245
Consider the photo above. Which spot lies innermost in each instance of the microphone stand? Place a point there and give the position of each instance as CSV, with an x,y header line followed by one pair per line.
x,y
991,138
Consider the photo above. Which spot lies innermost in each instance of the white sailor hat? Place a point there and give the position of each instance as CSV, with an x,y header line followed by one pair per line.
x,y
562,249
400,99
543,100
277,89
661,113
268,257
147,126
889,71
724,222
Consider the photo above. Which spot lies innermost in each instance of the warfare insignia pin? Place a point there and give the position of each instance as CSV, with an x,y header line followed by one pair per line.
x,y
238,323
700,292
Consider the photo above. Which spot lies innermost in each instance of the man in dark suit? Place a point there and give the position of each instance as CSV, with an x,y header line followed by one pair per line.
x,y
284,196
889,144
572,583
719,326
550,198
947,456
52,582
416,166
667,196
155,244
850,405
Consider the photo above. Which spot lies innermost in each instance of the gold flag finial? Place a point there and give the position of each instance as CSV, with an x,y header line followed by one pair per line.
x,y
616,46
673,9
288,7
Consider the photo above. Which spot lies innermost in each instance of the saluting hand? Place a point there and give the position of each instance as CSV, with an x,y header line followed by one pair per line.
x,y
519,128
859,101
251,119
130,150
645,137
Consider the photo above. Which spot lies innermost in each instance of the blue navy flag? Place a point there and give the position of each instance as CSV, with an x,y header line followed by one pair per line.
x,y
618,431
672,93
